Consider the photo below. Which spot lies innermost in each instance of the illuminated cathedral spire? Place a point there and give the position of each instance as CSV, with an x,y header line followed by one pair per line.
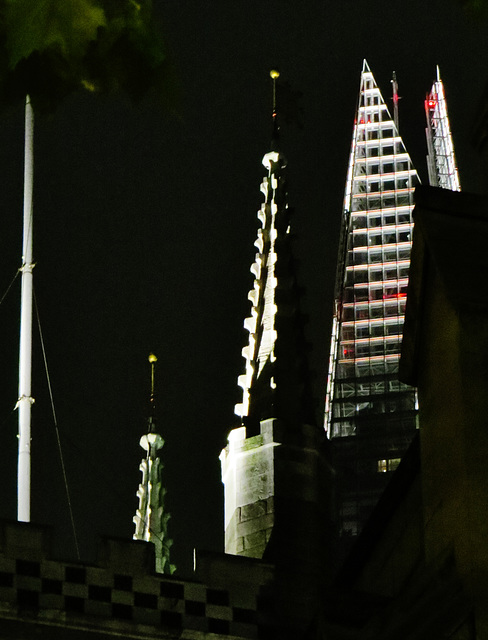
x,y
273,380
370,415
151,520
267,494
441,161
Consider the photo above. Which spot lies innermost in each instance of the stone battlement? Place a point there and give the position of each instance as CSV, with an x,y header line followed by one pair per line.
x,y
119,594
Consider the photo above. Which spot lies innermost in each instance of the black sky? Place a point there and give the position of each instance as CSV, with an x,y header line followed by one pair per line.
x,y
144,231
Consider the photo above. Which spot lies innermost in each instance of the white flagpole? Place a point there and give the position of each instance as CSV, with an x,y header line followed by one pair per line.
x,y
25,350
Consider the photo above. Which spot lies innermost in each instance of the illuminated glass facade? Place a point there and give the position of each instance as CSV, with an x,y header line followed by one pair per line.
x,y
441,161
370,415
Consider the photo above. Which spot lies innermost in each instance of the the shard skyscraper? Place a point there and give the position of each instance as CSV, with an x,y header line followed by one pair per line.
x,y
370,415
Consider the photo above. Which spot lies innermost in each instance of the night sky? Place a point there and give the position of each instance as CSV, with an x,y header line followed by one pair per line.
x,y
144,227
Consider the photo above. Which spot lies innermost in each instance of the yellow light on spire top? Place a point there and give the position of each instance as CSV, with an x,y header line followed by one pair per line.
x,y
274,74
152,359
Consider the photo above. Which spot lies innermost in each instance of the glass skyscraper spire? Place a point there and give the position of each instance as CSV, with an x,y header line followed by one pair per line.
x,y
370,415
441,161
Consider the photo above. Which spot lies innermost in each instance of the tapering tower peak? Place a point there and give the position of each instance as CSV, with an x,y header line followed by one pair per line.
x,y
370,415
151,519
274,380
441,161
270,466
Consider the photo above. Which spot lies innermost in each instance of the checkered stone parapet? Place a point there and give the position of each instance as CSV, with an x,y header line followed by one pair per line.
x,y
121,593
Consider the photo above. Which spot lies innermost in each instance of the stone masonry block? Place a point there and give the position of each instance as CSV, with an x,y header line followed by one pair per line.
x,y
255,540
123,597
268,428
252,443
239,544
146,616
218,612
7,565
253,510
28,583
256,524
148,585
76,590
100,609
233,544
243,630
170,604
25,540
7,594
127,556
196,592
231,528
52,570
51,601
100,577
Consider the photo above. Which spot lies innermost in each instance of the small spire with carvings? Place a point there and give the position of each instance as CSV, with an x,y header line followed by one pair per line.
x,y
151,519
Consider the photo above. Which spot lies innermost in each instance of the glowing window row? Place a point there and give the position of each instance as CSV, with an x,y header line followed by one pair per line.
x,y
403,402
382,236
381,218
364,180
379,254
370,360
359,388
398,154
378,274
365,185
387,147
394,290
371,102
368,368
370,347
378,166
371,329
405,423
388,403
387,308
382,200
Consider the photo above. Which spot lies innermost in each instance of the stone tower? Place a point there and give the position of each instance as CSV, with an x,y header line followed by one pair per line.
x,y
274,469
